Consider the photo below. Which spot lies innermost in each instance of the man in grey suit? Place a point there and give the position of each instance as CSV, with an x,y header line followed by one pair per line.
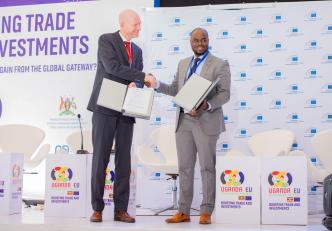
x,y
119,60
197,131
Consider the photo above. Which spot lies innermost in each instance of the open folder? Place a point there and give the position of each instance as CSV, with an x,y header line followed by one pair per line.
x,y
194,91
134,102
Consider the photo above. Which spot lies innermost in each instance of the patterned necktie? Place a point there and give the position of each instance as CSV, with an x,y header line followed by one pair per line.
x,y
193,68
128,49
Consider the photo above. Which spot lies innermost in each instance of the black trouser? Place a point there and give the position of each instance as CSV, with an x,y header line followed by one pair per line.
x,y
104,129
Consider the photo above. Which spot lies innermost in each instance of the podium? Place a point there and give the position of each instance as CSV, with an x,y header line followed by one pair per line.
x,y
252,190
68,187
11,178
284,190
65,189
238,190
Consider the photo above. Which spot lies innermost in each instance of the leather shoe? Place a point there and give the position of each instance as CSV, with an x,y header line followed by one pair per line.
x,y
205,219
178,217
123,216
97,216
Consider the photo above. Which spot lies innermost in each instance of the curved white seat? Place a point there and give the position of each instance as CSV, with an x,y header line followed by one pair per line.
x,y
271,143
26,139
74,141
322,145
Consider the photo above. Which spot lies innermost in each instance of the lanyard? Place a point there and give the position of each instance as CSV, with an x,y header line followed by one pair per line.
x,y
200,61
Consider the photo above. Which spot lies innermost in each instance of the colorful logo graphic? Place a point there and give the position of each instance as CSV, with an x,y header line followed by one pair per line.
x,y
232,177
280,179
110,176
61,174
67,105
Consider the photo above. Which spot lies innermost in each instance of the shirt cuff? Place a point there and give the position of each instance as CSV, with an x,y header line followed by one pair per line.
x,y
209,106
157,85
139,85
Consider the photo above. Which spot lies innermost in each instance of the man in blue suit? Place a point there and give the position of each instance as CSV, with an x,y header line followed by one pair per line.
x,y
119,60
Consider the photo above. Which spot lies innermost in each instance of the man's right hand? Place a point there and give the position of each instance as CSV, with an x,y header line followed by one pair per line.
x,y
150,80
132,84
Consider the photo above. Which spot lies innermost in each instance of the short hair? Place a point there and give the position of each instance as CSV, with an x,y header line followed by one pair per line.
x,y
200,28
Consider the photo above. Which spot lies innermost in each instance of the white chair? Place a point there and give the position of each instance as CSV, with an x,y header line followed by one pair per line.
x,y
322,145
74,141
164,138
24,139
42,152
234,153
271,143
316,175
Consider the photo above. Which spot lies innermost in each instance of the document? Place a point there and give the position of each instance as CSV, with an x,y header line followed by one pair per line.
x,y
134,102
138,102
194,91
112,94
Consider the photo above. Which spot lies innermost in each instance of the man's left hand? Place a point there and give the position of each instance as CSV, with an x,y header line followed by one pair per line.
x,y
203,107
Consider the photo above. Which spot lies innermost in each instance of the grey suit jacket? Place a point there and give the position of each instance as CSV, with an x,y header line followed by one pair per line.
x,y
212,121
113,64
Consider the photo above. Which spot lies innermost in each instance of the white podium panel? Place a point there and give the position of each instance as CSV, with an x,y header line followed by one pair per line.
x,y
11,178
108,212
284,190
65,192
238,190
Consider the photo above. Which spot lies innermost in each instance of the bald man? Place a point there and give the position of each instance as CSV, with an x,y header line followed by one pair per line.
x,y
120,60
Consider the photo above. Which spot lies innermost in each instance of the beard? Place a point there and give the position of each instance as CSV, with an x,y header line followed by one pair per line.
x,y
199,53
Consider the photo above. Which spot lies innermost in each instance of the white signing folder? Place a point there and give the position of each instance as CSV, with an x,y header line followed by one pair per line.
x,y
134,102
194,91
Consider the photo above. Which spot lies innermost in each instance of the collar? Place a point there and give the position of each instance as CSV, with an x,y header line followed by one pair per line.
x,y
200,57
123,38
203,55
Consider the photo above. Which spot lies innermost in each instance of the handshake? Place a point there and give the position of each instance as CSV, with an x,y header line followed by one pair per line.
x,y
149,81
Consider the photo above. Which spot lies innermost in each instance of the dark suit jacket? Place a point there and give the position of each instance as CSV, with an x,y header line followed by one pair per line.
x,y
113,64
